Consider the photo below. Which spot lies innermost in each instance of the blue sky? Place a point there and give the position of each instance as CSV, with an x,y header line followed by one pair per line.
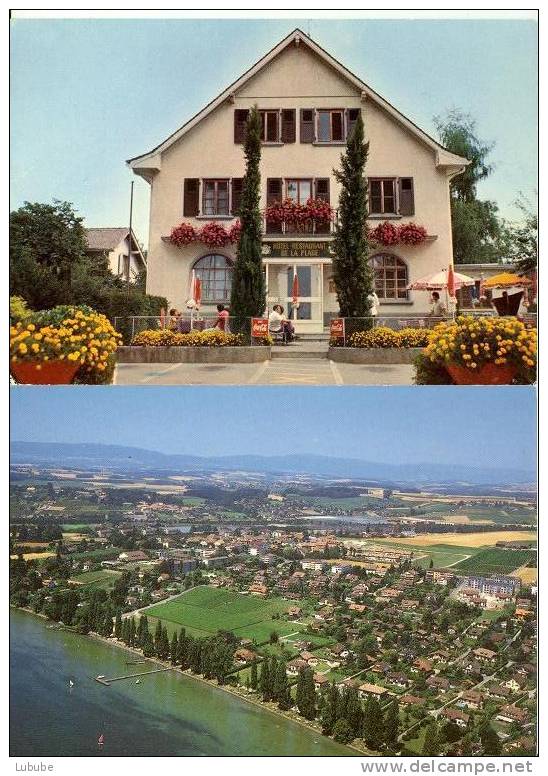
x,y
88,94
485,426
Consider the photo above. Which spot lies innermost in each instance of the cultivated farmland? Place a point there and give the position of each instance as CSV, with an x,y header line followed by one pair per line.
x,y
205,610
495,561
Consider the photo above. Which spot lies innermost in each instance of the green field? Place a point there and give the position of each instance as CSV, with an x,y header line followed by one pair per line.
x,y
205,610
98,579
496,561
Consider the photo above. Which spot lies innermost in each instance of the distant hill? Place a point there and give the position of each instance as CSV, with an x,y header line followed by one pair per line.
x,y
127,459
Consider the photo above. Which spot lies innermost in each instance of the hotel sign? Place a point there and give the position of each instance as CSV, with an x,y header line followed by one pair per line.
x,y
297,249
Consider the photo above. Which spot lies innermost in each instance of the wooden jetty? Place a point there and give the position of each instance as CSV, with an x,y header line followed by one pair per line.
x,y
108,682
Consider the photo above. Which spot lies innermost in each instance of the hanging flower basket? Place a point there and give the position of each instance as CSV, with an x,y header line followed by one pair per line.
x,y
234,232
385,234
44,372
182,235
405,234
412,234
214,235
488,374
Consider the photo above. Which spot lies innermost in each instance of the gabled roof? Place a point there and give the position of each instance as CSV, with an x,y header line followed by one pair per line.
x,y
151,161
106,238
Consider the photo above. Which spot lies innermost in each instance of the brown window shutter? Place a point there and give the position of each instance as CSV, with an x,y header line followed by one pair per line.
x,y
273,190
236,195
307,125
240,122
289,125
191,205
322,189
352,117
406,196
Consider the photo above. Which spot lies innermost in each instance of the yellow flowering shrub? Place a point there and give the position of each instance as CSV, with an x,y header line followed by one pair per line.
x,y
75,334
384,337
472,342
209,338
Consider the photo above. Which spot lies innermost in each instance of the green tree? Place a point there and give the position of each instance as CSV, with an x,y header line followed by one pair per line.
x,y
265,682
254,679
174,648
519,241
476,226
391,725
248,297
373,724
50,266
306,694
351,271
330,710
490,742
431,742
342,732
46,243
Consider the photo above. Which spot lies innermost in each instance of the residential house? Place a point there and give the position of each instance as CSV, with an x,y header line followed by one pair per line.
x,y
123,252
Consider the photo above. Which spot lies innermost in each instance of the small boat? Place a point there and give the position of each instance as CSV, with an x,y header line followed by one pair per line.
x,y
101,676
101,740
138,681
71,683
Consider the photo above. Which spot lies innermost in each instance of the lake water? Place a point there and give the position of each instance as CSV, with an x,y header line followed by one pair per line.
x,y
166,714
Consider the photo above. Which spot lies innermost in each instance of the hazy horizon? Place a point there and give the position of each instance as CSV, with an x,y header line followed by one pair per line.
x,y
476,426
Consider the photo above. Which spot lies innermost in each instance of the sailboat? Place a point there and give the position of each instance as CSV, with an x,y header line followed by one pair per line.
x,y
71,683
101,740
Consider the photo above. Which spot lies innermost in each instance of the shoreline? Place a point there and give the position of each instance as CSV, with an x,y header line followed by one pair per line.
x,y
113,642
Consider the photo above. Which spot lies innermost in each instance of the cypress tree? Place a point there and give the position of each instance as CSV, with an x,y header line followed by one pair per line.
x,y
118,625
254,679
281,687
330,710
431,740
306,694
264,680
373,725
392,725
158,638
248,297
351,272
132,632
174,648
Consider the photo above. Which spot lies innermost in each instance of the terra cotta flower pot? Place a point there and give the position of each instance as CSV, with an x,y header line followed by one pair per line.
x,y
488,374
48,373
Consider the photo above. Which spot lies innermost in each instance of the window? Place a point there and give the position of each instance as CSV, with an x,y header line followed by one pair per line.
x,y
215,198
270,129
299,191
215,273
330,126
390,276
382,196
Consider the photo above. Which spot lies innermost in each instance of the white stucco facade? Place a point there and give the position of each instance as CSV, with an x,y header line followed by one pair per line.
x,y
297,75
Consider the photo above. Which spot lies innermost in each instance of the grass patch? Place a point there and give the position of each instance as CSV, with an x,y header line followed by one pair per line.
x,y
208,609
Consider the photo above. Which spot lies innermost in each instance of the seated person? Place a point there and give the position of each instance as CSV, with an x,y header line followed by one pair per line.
x,y
222,318
278,324
438,309
174,317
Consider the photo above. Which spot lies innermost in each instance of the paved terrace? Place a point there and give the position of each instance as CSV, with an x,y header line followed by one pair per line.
x,y
299,363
